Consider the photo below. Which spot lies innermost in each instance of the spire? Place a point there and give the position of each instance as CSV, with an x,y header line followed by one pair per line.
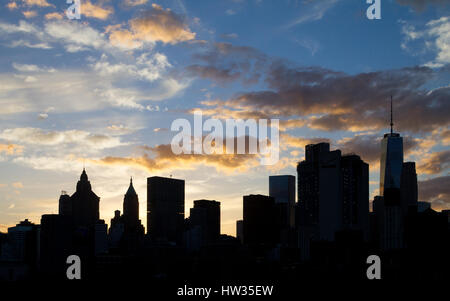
x,y
131,190
83,176
392,120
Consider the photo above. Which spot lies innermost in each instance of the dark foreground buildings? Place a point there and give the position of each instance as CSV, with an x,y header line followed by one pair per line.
x,y
327,234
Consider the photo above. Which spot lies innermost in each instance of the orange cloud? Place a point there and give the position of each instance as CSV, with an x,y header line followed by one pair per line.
x,y
29,14
435,163
11,149
95,11
55,15
41,3
161,157
156,24
135,2
11,5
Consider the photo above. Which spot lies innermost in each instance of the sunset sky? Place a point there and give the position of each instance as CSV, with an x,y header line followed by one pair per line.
x,y
103,91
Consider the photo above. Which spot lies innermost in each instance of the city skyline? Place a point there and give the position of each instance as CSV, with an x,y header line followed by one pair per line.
x,y
101,92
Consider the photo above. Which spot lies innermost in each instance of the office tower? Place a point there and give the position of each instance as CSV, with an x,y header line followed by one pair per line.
x,y
100,237
408,188
65,204
355,194
282,189
116,230
259,220
56,244
85,203
391,162
320,191
24,240
131,207
240,230
165,209
206,215
126,232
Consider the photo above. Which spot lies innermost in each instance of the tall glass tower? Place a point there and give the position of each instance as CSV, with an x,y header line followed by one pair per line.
x,y
391,160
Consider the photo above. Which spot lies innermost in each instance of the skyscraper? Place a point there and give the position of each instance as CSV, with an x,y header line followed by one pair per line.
x,y
282,189
85,203
391,165
131,207
320,190
391,162
333,193
355,194
259,220
165,209
206,215
408,188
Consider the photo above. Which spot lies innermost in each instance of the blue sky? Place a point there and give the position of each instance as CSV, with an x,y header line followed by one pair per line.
x,y
103,91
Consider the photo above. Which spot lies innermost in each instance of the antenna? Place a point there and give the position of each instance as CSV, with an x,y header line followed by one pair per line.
x,y
392,120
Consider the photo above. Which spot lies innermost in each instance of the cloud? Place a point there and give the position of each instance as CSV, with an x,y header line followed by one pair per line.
x,y
75,36
313,11
17,185
435,36
11,5
154,25
41,3
35,136
11,149
333,101
161,158
214,73
29,14
436,191
225,62
31,68
135,2
299,142
420,5
229,36
230,12
95,11
53,15
434,163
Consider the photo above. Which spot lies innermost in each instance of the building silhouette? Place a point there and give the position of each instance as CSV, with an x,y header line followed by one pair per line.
x,y
282,189
85,203
260,223
126,232
206,215
165,209
392,212
408,188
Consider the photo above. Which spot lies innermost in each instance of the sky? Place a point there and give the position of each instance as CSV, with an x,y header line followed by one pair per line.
x,y
102,92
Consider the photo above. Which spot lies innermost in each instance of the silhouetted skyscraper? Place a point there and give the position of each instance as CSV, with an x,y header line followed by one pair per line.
x,y
131,207
282,189
206,215
391,160
355,194
391,164
85,203
240,230
320,190
165,209
65,204
259,220
408,188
